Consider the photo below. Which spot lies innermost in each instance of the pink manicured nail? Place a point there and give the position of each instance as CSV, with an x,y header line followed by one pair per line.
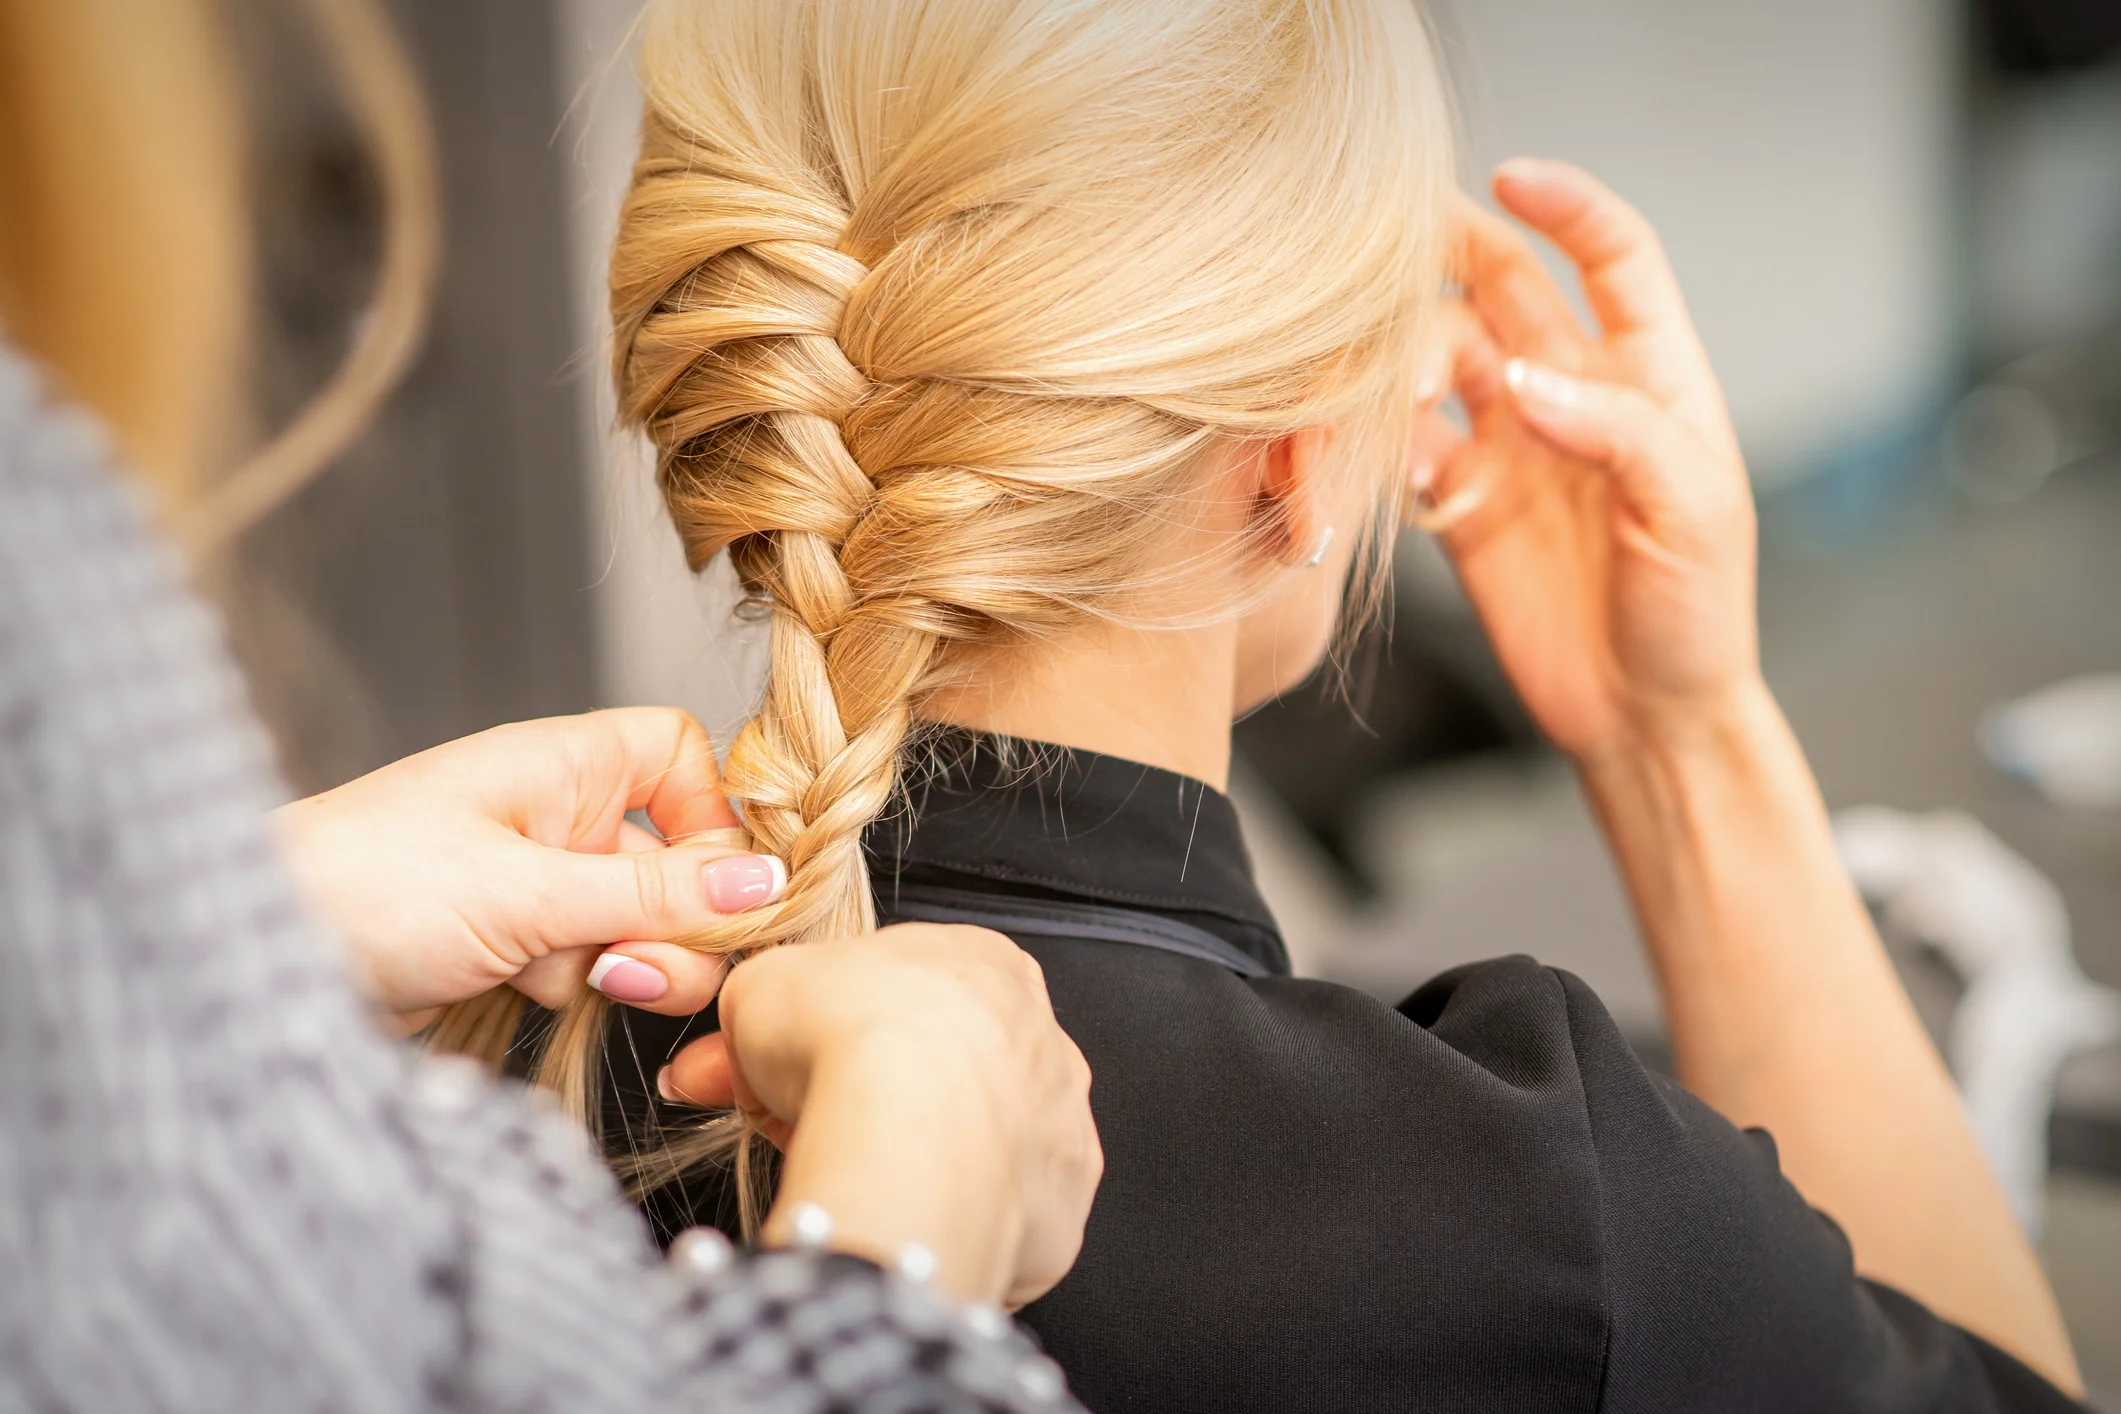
x,y
625,979
744,881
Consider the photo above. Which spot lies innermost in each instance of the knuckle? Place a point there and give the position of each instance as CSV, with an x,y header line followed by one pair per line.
x,y
651,885
680,723
1630,225
1646,235
1028,968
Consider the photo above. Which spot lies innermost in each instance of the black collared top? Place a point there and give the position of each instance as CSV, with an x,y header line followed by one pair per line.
x,y
1478,1200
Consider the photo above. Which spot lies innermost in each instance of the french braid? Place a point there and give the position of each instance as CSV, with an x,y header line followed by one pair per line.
x,y
932,310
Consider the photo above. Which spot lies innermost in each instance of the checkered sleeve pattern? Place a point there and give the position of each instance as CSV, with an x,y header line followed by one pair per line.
x,y
220,1187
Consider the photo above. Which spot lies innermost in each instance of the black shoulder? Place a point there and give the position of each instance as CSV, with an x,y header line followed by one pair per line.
x,y
1727,1290
1312,1202
1509,1015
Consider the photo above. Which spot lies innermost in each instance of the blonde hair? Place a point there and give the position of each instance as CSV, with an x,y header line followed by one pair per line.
x,y
143,327
933,312
125,248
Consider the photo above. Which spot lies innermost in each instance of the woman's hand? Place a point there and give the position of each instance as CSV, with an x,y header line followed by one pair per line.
x,y
923,1093
506,857
1608,540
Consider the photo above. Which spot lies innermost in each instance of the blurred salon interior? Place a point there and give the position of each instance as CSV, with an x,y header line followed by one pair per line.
x,y
1899,226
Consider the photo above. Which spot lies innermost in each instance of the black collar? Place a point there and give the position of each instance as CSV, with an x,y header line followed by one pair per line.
x,y
1035,820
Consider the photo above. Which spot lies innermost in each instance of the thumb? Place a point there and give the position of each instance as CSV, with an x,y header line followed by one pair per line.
x,y
702,1074
1610,425
593,900
708,1074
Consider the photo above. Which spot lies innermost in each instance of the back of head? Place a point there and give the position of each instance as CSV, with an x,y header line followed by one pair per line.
x,y
933,310
124,249
125,241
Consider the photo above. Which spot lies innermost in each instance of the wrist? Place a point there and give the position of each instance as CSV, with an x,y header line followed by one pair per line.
x,y
1703,811
905,1143
1724,841
1732,728
300,831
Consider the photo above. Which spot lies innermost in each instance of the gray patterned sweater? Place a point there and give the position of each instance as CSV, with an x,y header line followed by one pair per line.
x,y
220,1188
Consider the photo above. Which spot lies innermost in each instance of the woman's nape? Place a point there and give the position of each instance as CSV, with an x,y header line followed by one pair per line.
x,y
1161,684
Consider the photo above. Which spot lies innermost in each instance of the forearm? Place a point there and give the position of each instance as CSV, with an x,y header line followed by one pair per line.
x,y
1785,1013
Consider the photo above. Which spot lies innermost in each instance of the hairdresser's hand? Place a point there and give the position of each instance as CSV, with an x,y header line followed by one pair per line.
x,y
507,857
923,1092
1609,544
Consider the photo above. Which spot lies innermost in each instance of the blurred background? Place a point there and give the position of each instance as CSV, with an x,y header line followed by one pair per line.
x,y
1899,225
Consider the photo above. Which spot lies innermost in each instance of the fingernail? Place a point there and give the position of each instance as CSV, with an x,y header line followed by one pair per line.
x,y
626,979
1419,476
744,881
1540,383
1428,389
664,1088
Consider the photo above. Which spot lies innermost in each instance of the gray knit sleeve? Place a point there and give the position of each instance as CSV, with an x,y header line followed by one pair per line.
x,y
220,1188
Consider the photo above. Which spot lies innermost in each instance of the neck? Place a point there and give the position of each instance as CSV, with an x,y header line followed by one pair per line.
x,y
1161,697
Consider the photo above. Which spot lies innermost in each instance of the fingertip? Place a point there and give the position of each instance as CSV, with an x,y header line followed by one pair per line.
x,y
1526,170
702,1085
628,979
1538,190
699,1075
692,978
738,882
1516,170
1537,386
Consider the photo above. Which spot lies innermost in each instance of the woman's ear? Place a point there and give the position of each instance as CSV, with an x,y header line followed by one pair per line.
x,y
1290,499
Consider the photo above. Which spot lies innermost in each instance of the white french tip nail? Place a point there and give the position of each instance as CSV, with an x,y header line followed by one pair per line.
x,y
780,876
626,979
1540,383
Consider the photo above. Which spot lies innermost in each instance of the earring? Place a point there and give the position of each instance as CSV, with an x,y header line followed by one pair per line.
x,y
1318,552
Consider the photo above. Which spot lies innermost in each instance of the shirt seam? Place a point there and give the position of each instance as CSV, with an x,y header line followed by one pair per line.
x,y
1055,881
1590,1123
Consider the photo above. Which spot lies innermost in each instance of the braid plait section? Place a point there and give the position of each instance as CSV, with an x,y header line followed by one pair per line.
x,y
733,365
883,502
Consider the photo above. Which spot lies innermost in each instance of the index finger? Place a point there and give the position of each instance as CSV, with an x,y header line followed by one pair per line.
x,y
669,761
1626,276
1513,291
